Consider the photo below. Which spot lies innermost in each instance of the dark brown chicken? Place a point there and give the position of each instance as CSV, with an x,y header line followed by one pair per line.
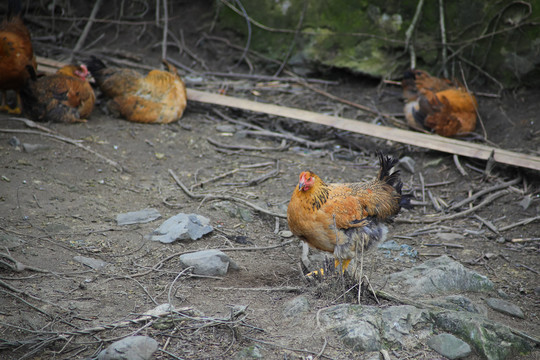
x,y
63,97
16,54
341,218
158,97
444,106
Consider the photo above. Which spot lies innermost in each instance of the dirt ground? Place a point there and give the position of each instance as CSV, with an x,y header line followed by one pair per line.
x,y
61,201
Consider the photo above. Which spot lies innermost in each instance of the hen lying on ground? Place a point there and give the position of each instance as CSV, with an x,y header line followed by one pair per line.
x,y
159,97
16,54
441,105
63,97
344,218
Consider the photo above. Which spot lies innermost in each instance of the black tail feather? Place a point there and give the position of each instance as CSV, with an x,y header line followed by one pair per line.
x,y
392,179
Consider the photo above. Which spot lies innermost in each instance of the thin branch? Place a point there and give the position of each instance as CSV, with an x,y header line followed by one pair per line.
x,y
87,27
223,197
165,29
503,185
69,141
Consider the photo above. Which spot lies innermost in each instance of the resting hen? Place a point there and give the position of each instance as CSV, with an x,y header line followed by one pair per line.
x,y
343,218
441,105
16,54
66,96
159,97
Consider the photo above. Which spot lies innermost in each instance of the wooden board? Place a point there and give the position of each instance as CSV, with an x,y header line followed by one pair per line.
x,y
433,142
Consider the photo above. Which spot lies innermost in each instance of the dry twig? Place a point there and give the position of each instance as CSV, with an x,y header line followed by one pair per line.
x,y
223,197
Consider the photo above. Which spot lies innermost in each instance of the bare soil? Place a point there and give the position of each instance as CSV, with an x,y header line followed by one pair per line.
x,y
62,201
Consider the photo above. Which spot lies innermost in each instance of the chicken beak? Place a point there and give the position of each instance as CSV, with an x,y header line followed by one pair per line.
x,y
301,185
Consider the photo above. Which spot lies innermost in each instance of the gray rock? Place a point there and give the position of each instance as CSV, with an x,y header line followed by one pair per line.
x,y
285,234
439,275
297,306
459,303
208,262
130,348
491,340
408,163
30,148
138,217
95,264
449,346
356,325
505,307
525,202
405,325
182,227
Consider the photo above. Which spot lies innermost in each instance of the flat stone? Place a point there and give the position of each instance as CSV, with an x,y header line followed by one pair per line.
x,y
181,227
449,346
138,217
208,262
130,348
285,234
408,163
505,307
438,275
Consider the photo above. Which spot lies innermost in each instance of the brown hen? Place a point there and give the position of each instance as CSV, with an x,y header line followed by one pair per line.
x,y
16,54
159,97
444,106
65,96
342,218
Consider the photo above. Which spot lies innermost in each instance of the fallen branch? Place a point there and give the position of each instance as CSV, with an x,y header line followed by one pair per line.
x,y
519,223
426,220
503,185
428,141
223,197
279,288
50,133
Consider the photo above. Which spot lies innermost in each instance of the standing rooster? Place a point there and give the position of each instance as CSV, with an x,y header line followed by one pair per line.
x,y
63,97
442,105
16,54
159,97
344,218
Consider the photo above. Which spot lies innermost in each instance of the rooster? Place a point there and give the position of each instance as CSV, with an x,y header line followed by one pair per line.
x,y
65,96
441,105
159,97
343,218
16,54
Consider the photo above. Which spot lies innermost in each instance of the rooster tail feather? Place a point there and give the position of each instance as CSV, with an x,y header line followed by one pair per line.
x,y
387,163
392,179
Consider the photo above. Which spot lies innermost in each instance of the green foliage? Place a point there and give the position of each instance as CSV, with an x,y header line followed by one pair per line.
x,y
498,40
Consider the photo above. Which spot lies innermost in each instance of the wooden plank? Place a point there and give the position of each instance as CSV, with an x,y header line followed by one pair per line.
x,y
433,142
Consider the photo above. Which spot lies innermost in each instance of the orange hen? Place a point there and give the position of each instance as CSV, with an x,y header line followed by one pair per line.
x,y
16,54
63,97
441,105
159,97
343,217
